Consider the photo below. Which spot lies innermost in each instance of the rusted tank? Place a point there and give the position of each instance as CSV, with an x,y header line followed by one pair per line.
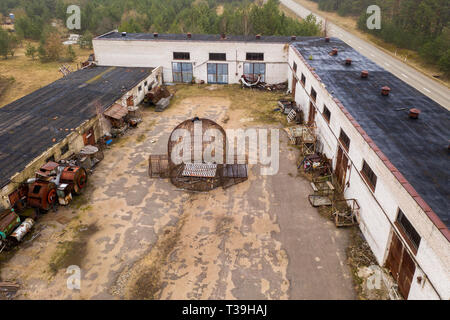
x,y
18,199
9,220
42,195
76,177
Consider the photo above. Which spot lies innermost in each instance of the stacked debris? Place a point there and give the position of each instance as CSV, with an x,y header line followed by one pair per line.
x,y
160,97
117,115
88,157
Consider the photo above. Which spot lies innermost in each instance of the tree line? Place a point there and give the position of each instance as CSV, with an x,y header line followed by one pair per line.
x,y
419,25
34,19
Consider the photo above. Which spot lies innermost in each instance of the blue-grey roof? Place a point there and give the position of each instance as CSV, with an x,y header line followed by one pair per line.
x,y
417,148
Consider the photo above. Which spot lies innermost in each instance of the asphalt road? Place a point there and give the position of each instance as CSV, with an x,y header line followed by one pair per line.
x,y
414,78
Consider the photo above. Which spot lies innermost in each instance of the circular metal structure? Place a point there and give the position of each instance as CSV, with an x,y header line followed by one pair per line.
x,y
190,141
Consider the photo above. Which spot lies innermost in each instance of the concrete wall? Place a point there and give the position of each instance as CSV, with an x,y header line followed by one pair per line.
x,y
153,53
379,208
75,140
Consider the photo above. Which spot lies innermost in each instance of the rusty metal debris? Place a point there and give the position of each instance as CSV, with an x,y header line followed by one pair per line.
x,y
345,212
193,175
256,82
158,166
8,289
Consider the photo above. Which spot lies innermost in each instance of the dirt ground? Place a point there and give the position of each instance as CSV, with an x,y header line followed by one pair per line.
x,y
139,238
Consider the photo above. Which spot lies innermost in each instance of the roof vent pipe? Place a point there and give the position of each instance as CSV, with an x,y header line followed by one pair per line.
x,y
385,91
327,39
364,74
293,38
189,35
124,34
348,61
414,113
334,52
258,36
155,34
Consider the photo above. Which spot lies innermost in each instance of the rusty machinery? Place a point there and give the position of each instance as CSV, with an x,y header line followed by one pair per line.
x,y
55,182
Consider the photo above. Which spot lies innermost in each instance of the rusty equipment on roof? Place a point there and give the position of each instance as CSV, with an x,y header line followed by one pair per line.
x,y
12,231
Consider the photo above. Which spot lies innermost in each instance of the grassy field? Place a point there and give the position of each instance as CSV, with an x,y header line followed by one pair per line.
x,y
25,75
349,24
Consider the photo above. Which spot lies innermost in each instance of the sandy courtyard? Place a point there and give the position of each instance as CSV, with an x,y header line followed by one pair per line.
x,y
139,238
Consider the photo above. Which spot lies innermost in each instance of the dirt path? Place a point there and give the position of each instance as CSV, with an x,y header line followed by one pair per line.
x,y
138,238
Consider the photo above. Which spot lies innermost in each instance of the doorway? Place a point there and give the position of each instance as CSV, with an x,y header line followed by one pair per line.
x,y
401,265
